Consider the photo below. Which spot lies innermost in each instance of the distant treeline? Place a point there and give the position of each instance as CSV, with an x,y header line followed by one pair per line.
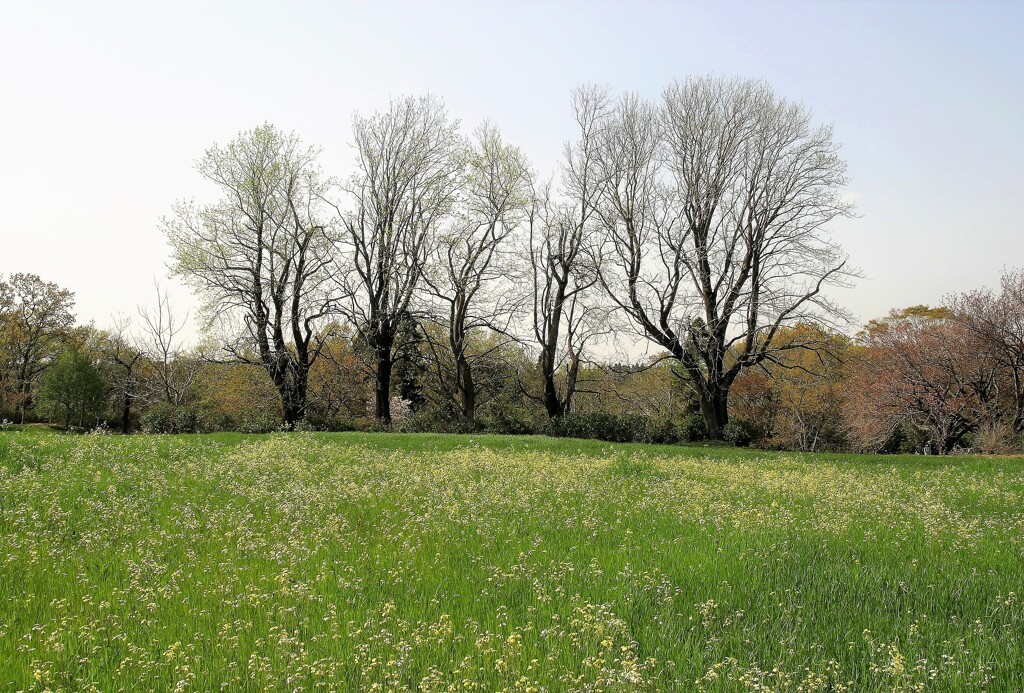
x,y
919,380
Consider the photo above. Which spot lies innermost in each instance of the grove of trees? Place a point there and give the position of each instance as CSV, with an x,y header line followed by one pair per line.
x,y
446,285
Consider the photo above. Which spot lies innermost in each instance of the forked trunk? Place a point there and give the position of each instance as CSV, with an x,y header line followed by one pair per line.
x,y
553,404
294,408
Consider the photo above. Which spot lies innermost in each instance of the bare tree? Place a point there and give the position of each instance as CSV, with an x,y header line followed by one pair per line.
x,y
471,271
715,225
409,164
174,372
561,260
125,356
262,256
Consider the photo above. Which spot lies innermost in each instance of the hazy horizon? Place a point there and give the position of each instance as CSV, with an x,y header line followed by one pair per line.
x,y
107,106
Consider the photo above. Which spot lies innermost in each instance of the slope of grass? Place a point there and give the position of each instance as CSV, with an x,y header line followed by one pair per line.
x,y
430,562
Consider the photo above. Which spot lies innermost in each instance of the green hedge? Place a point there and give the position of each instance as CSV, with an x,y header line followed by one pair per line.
x,y
623,428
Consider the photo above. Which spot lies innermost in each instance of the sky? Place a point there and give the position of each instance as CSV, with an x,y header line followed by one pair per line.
x,y
106,106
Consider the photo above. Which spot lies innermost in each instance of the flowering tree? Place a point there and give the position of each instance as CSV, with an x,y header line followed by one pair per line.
x,y
921,368
996,320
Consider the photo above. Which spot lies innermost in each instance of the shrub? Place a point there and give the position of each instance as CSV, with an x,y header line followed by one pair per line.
x,y
904,439
435,419
169,418
186,420
662,430
332,425
257,422
620,428
998,438
693,428
614,428
740,433
508,420
159,418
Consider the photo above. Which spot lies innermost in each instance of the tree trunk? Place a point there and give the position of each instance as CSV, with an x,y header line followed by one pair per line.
x,y
25,395
467,390
294,406
382,387
714,407
572,374
552,403
291,378
126,413
1018,400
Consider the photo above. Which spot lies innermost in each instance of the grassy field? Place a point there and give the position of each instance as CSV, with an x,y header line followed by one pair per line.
x,y
420,562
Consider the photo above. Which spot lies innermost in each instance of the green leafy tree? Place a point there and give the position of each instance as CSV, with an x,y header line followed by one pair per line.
x,y
36,321
74,390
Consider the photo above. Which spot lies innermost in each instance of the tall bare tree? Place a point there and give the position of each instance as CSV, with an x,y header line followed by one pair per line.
x,y
409,162
471,269
561,259
262,256
715,222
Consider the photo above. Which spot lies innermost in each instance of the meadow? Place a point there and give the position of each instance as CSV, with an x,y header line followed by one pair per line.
x,y
484,563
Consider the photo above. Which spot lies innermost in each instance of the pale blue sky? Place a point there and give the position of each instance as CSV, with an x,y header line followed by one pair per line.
x,y
105,106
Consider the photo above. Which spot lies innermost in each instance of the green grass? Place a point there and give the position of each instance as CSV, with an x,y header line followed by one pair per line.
x,y
430,562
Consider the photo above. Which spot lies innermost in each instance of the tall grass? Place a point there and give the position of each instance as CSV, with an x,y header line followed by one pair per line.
x,y
420,562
